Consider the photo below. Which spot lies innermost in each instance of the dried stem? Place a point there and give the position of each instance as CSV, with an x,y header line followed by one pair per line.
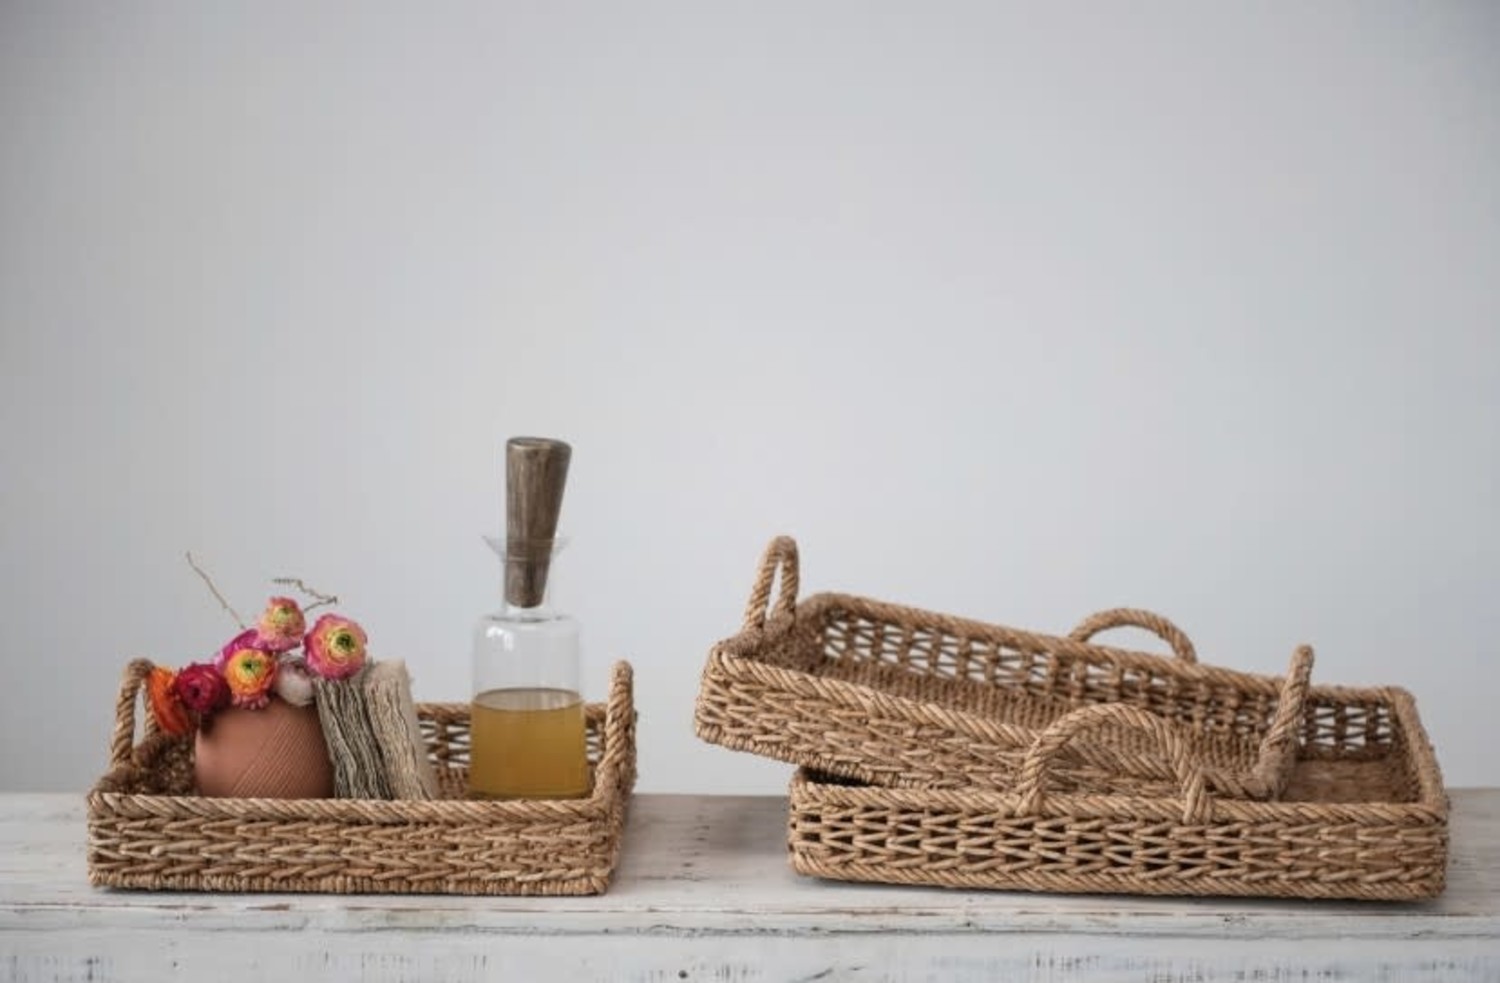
x,y
320,597
209,581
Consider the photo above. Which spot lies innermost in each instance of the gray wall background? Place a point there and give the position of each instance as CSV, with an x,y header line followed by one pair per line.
x,y
1015,311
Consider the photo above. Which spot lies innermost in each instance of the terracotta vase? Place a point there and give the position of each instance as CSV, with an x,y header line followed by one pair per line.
x,y
276,752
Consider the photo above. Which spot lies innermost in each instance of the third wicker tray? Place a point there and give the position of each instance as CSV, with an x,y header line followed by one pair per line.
x,y
1363,815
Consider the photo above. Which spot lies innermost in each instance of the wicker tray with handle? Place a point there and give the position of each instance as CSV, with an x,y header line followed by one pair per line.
x,y
147,830
1364,815
905,698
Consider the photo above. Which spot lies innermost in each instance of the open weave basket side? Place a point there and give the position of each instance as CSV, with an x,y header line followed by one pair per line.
x,y
902,697
1370,821
148,831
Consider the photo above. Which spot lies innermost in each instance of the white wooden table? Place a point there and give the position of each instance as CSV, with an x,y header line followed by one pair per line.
x,y
704,893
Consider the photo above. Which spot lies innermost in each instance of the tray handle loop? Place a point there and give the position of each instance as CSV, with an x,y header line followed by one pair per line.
x,y
619,711
1031,784
123,739
780,555
1283,737
1182,646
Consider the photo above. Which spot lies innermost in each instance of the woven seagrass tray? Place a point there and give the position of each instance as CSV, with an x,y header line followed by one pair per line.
x,y
906,698
1363,816
147,830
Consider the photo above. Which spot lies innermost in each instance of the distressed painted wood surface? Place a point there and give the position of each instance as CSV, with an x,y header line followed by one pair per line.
x,y
704,893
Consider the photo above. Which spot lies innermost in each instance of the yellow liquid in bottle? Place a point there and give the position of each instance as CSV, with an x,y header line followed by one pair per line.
x,y
527,744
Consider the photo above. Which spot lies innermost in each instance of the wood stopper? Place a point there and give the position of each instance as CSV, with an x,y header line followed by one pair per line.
x,y
536,470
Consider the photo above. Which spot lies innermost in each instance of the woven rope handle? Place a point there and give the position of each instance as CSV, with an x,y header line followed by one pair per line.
x,y
1031,785
1278,751
1292,704
619,711
1182,646
781,556
123,738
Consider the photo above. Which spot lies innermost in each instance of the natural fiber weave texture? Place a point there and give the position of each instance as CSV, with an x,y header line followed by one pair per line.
x,y
1363,816
398,731
906,698
344,711
147,830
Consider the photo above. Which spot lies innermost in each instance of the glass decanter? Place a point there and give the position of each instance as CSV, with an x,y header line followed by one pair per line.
x,y
527,734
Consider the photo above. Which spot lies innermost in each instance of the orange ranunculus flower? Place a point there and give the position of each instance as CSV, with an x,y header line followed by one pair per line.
x,y
250,673
247,639
171,716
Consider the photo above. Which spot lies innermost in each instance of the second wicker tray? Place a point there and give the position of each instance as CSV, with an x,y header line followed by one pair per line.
x,y
901,697
1364,816
147,830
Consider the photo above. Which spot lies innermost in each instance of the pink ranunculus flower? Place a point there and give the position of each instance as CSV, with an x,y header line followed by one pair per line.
x,y
281,625
247,639
202,689
335,648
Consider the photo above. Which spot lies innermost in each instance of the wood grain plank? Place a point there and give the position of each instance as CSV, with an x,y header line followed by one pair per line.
x,y
705,890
